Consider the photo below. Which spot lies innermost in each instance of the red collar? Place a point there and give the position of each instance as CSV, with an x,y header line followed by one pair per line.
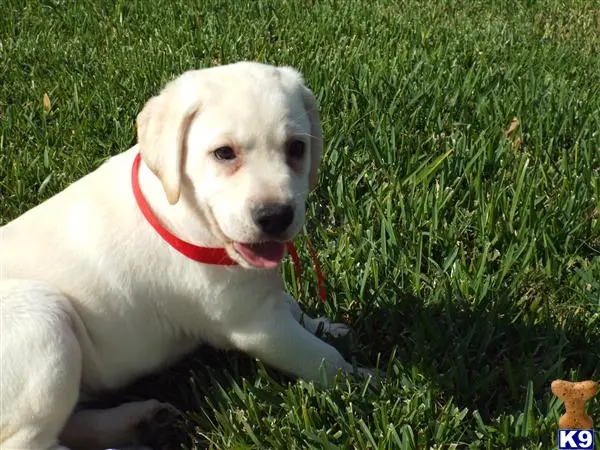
x,y
211,255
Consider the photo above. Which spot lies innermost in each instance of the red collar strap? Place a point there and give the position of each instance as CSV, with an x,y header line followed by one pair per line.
x,y
211,255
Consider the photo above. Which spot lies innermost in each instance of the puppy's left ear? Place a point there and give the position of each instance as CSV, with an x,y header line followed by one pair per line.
x,y
316,134
162,127
316,129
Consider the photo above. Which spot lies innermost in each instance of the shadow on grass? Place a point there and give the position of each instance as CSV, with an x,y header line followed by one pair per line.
x,y
481,356
189,385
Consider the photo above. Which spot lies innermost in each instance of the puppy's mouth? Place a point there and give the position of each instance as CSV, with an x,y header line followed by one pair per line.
x,y
262,255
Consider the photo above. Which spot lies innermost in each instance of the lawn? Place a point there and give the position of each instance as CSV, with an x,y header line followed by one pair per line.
x,y
457,217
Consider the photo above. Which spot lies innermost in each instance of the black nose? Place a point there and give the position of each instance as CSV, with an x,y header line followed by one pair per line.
x,y
273,218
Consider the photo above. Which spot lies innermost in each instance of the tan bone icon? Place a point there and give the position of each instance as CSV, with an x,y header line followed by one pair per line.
x,y
575,395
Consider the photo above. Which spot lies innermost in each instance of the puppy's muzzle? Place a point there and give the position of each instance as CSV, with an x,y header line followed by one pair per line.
x,y
273,219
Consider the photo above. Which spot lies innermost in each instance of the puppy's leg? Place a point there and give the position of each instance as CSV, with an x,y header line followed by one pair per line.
x,y
40,365
131,423
318,325
274,336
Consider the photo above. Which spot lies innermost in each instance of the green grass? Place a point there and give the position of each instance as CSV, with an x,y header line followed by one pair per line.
x,y
467,262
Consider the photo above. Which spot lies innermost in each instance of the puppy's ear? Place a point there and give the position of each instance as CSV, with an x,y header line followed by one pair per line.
x,y
316,135
316,129
162,128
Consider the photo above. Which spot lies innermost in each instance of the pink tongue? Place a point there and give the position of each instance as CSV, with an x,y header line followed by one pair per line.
x,y
265,255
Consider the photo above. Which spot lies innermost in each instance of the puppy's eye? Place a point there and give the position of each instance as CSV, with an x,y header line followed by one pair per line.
x,y
296,149
224,153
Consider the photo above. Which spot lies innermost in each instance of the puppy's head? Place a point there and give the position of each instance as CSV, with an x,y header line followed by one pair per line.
x,y
244,142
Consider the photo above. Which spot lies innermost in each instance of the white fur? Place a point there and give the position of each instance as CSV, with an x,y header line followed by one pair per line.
x,y
92,298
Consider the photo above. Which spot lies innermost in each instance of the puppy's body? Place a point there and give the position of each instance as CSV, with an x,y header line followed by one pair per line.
x,y
92,297
140,303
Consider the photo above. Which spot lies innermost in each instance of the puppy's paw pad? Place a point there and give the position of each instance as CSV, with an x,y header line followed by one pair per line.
x,y
337,329
373,375
165,415
365,372
158,428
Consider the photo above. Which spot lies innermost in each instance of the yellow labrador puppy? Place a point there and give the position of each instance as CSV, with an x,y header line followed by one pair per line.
x,y
172,243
